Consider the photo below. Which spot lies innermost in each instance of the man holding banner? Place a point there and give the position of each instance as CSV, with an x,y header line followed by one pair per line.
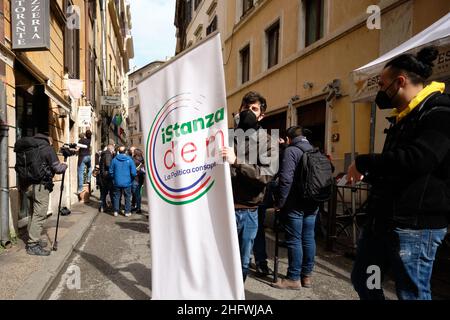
x,y
251,170
195,249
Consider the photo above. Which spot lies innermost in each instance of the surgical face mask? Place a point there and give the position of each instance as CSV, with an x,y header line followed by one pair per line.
x,y
247,120
383,100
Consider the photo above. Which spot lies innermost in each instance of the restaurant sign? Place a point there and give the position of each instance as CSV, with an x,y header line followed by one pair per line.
x,y
30,24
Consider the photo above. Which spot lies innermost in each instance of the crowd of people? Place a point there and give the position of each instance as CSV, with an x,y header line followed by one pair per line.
x,y
119,173
408,206
409,203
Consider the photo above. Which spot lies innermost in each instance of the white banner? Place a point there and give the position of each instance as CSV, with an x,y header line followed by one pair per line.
x,y
75,87
84,116
195,249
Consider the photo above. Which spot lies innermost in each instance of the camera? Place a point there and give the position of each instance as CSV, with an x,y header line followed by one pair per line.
x,y
70,149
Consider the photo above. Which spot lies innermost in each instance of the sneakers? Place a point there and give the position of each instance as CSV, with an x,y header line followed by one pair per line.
x,y
287,284
127,214
263,269
37,250
306,282
43,243
116,214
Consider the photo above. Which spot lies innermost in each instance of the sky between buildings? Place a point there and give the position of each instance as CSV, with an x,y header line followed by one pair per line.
x,y
153,31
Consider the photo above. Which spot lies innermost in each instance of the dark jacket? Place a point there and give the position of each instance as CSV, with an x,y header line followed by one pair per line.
x,y
122,171
48,154
84,152
411,178
139,163
289,188
249,181
105,162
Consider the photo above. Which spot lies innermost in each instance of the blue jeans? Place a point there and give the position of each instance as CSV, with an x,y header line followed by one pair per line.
x,y
105,189
300,242
247,227
410,254
86,162
136,189
117,196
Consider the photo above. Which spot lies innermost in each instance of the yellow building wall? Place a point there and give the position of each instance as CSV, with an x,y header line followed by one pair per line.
x,y
425,12
319,64
50,65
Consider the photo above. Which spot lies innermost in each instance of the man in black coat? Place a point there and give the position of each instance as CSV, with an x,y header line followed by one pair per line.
x,y
106,184
38,193
409,202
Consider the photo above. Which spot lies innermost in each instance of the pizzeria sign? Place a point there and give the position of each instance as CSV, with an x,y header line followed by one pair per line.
x,y
30,24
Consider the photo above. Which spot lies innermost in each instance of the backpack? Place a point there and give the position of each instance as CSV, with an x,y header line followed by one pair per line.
x,y
315,177
30,166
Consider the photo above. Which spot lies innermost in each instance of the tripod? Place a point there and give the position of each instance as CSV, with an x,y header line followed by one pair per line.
x,y
55,243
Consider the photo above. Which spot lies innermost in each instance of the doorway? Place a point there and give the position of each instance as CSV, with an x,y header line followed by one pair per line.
x,y
313,117
275,122
32,109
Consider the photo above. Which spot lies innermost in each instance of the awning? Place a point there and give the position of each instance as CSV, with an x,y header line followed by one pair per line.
x,y
59,101
365,79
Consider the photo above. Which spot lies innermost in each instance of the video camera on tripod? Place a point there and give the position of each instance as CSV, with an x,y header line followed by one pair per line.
x,y
70,149
67,150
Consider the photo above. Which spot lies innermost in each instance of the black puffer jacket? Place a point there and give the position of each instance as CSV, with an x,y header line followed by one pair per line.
x,y
411,178
139,163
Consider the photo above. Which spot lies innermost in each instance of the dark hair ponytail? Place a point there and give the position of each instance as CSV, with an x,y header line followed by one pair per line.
x,y
418,68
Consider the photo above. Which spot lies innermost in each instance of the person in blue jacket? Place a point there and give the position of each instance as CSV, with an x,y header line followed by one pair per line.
x,y
123,171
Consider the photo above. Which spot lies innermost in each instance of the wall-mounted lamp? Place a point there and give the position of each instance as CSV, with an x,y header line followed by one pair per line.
x,y
308,85
62,113
335,137
334,90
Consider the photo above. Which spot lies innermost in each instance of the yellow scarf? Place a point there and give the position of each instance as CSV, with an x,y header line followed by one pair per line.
x,y
422,95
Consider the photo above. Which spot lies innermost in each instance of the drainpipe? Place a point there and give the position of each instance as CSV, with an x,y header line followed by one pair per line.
x,y
4,188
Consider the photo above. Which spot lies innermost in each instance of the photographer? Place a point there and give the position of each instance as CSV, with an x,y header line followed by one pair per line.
x,y
36,166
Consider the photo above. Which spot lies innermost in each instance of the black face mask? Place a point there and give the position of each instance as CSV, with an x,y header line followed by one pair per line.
x,y
383,100
247,120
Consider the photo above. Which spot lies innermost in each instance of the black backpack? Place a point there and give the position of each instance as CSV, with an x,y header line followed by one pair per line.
x,y
315,176
30,166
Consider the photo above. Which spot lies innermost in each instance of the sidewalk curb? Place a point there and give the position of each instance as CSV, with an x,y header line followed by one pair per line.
x,y
38,283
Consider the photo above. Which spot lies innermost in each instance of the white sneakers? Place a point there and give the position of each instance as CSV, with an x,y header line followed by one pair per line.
x,y
116,214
